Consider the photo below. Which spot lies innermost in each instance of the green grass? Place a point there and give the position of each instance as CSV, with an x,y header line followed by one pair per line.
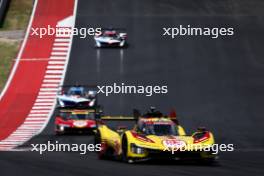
x,y
18,15
16,19
8,52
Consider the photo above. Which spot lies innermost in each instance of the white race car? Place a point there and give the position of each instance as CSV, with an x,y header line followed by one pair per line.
x,y
77,96
110,38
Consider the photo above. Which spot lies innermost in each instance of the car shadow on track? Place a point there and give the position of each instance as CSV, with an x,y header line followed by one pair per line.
x,y
170,162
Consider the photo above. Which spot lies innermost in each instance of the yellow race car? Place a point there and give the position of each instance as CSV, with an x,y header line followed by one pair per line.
x,y
154,137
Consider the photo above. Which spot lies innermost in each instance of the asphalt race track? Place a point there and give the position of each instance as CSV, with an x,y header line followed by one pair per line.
x,y
217,83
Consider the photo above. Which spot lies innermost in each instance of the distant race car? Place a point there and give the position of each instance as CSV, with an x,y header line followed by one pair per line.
x,y
75,121
154,137
77,96
110,38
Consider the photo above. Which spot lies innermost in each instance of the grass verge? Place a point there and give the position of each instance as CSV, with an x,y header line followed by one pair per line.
x,y
18,15
8,52
16,19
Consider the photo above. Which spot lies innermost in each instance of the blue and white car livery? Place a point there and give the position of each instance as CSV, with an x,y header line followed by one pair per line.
x,y
110,38
77,96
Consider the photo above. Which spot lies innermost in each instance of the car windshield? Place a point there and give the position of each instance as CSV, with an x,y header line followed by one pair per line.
x,y
159,129
76,91
110,34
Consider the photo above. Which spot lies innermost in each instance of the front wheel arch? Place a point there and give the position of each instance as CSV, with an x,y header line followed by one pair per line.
x,y
124,145
125,149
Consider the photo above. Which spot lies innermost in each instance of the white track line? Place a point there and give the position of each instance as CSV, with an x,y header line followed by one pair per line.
x,y
45,100
48,89
55,67
51,81
23,133
52,76
56,62
26,129
37,115
37,118
54,71
62,40
10,142
44,96
47,93
34,122
54,53
61,44
58,58
60,49
38,110
43,104
49,85
42,108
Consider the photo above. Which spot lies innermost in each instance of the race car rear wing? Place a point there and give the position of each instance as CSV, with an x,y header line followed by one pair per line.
x,y
137,115
134,117
117,118
97,109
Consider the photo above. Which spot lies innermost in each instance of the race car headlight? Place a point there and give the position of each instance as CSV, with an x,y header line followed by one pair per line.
x,y
136,149
98,43
61,103
63,126
91,103
122,43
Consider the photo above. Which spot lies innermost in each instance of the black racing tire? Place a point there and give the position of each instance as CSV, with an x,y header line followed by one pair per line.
x,y
58,133
125,149
103,154
97,138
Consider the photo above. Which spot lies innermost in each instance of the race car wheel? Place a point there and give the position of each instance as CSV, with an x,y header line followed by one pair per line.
x,y
105,152
125,150
97,138
57,132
